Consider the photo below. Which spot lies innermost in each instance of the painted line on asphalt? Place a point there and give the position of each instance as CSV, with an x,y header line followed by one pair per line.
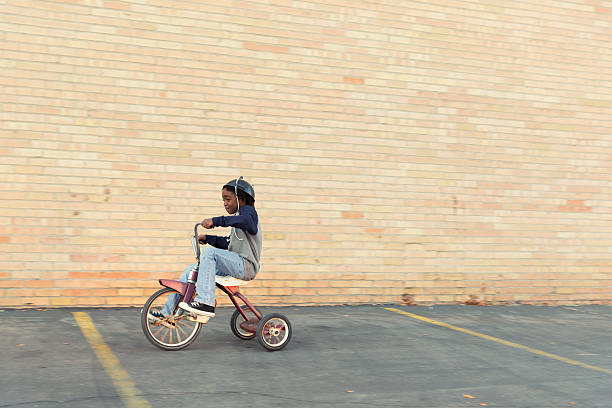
x,y
126,388
502,341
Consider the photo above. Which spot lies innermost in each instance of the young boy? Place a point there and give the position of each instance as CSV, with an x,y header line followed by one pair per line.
x,y
236,255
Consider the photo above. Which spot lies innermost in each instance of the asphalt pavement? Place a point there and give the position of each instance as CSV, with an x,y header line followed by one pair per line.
x,y
341,356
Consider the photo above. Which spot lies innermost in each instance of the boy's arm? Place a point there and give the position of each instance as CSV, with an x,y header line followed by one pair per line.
x,y
215,241
246,221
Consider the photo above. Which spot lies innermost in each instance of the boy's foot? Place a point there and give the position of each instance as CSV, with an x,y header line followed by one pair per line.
x,y
156,315
198,308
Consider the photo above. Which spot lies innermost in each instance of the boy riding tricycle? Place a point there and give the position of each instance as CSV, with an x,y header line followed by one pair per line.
x,y
173,316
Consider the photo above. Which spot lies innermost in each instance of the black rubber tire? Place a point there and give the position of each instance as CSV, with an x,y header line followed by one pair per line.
x,y
235,321
146,327
274,332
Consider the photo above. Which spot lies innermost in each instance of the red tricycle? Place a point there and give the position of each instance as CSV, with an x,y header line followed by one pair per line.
x,y
178,328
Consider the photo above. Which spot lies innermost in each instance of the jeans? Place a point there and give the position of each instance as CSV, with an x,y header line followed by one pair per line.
x,y
213,261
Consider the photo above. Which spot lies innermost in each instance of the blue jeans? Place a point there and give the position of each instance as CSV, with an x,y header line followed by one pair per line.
x,y
213,261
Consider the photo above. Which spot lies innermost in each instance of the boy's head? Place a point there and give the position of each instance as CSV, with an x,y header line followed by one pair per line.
x,y
245,195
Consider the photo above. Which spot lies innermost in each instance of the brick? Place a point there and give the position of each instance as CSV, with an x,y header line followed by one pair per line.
x,y
357,81
36,283
266,48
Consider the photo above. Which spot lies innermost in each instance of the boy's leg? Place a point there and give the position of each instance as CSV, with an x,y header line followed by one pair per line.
x,y
215,261
174,298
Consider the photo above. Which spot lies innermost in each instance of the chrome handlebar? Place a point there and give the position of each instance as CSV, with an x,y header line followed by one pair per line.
x,y
195,243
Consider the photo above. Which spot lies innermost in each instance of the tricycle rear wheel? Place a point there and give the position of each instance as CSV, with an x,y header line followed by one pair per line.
x,y
237,319
274,332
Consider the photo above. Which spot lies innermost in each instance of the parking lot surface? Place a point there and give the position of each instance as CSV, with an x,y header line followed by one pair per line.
x,y
342,356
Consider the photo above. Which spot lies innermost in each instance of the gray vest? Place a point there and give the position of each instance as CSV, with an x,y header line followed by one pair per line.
x,y
249,248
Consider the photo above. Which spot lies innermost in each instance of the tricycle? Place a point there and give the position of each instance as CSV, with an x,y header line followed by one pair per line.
x,y
179,328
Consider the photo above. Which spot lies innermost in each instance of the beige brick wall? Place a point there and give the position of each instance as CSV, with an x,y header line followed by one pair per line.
x,y
428,152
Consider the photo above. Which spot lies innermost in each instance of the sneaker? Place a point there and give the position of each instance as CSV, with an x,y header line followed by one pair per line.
x,y
198,308
156,315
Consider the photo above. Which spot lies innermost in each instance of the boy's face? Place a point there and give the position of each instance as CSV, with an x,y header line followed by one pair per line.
x,y
229,201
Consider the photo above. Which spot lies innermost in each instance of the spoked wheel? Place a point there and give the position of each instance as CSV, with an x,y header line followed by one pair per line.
x,y
237,319
172,332
274,331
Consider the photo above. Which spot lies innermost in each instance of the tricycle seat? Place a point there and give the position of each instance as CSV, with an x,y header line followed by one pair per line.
x,y
230,281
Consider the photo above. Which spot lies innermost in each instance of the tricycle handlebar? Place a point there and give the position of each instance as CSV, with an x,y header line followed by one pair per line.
x,y
195,242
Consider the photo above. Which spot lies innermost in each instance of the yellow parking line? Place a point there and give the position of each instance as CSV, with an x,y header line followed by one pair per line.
x,y
128,392
501,341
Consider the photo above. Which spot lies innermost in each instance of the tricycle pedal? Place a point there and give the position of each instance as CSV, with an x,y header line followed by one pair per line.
x,y
198,318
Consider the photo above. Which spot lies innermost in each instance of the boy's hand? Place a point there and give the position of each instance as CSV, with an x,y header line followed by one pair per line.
x,y
202,239
207,223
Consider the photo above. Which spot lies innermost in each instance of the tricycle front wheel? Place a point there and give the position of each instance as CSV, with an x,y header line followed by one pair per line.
x,y
173,331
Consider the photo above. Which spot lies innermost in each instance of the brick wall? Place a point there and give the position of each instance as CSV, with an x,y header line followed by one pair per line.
x,y
424,152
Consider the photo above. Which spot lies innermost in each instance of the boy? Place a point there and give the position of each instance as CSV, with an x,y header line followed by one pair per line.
x,y
236,255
